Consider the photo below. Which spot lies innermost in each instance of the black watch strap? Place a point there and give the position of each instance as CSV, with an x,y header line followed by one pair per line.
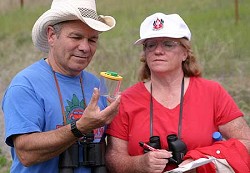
x,y
74,130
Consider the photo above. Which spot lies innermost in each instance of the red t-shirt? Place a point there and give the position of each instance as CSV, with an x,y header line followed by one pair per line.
x,y
206,106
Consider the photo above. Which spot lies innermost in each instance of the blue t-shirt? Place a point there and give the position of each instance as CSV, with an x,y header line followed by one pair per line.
x,y
31,104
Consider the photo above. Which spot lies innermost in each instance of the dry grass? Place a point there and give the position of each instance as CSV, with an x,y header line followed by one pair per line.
x,y
8,5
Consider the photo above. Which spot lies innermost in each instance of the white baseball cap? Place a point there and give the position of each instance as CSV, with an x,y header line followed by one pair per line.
x,y
162,25
64,10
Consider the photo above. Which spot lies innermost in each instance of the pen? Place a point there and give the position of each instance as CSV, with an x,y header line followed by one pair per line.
x,y
146,146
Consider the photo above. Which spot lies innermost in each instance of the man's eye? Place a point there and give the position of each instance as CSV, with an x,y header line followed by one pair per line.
x,y
92,40
75,37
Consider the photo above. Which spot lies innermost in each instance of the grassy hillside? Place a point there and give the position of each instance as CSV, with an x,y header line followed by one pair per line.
x,y
222,45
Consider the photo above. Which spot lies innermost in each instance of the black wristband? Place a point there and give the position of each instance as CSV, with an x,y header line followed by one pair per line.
x,y
74,130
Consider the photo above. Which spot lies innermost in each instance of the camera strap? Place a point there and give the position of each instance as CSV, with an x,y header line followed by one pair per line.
x,y
181,109
60,94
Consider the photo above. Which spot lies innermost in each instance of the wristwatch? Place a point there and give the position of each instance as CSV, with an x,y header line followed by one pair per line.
x,y
74,130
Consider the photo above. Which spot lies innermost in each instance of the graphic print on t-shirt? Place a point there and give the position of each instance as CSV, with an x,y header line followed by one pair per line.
x,y
75,109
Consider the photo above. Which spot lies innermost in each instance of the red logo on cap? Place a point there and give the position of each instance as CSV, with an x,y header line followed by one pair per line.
x,y
158,24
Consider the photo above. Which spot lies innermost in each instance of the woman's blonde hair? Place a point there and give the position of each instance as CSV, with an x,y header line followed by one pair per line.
x,y
190,66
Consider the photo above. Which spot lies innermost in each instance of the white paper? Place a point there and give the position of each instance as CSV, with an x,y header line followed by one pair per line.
x,y
191,165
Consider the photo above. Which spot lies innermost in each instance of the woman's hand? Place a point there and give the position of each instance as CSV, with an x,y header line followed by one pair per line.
x,y
155,161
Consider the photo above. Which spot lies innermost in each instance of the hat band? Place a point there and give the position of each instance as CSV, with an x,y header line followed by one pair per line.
x,y
88,13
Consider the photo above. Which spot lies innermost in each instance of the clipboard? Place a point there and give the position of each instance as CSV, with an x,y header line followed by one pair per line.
x,y
192,165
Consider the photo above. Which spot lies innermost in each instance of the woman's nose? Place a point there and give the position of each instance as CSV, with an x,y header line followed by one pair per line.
x,y
159,47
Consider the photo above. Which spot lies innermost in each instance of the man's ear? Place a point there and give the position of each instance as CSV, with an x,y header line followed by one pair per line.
x,y
51,35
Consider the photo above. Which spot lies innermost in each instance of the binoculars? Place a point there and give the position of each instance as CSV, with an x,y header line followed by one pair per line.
x,y
175,145
178,148
92,156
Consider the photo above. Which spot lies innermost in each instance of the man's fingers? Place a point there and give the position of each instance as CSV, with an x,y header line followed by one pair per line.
x,y
94,99
112,109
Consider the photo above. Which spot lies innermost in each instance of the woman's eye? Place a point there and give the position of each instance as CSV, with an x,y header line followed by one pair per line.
x,y
168,44
150,45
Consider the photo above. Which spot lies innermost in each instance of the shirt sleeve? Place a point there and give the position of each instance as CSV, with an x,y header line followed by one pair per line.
x,y
22,112
226,108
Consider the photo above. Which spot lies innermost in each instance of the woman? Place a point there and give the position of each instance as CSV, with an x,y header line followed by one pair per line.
x,y
173,101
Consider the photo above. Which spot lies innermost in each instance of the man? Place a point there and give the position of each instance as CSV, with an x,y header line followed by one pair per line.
x,y
52,109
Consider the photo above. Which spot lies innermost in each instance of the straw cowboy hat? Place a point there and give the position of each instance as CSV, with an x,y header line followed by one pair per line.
x,y
64,10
